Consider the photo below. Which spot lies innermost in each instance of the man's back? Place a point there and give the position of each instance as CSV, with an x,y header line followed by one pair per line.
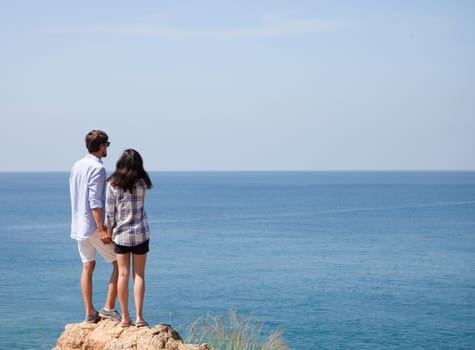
x,y
87,185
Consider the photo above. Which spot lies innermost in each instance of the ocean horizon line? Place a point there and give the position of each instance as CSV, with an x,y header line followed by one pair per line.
x,y
283,177
275,171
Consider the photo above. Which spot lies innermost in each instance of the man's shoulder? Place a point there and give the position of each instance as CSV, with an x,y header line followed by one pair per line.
x,y
88,162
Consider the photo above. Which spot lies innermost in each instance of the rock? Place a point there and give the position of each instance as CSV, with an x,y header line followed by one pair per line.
x,y
109,335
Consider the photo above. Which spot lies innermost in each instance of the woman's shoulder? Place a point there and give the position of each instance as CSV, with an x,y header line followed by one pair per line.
x,y
141,183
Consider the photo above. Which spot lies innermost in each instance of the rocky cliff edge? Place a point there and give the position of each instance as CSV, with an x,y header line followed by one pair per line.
x,y
109,335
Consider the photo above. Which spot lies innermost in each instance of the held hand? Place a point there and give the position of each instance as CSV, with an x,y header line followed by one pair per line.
x,y
105,237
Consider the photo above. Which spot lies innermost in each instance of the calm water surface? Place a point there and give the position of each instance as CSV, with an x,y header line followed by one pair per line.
x,y
337,260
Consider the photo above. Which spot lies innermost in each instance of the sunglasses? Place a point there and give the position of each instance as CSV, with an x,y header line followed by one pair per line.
x,y
107,143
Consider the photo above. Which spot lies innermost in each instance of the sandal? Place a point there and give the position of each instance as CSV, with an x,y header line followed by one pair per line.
x,y
141,323
125,324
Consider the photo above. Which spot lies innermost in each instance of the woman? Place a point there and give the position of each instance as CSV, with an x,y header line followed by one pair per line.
x,y
127,224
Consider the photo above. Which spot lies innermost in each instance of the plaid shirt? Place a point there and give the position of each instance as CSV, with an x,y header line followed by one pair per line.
x,y
125,213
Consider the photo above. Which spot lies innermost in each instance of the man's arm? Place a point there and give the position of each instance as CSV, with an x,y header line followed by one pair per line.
x,y
96,192
103,235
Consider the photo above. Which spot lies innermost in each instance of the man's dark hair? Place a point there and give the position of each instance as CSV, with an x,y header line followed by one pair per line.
x,y
94,140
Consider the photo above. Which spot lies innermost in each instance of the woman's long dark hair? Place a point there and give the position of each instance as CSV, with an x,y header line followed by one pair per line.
x,y
129,170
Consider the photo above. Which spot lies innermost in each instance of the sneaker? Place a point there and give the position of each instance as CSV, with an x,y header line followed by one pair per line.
x,y
92,318
111,314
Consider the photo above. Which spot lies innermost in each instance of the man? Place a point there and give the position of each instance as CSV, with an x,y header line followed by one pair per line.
x,y
87,187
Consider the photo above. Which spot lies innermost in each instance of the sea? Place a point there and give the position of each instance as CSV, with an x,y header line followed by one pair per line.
x,y
335,260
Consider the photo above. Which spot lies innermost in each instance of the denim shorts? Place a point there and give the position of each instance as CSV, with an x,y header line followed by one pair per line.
x,y
137,249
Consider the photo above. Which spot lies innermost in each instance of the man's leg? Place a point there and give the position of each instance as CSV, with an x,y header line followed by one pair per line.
x,y
112,290
86,286
107,252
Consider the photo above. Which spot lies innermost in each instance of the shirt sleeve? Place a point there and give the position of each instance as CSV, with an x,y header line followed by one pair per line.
x,y
110,207
96,188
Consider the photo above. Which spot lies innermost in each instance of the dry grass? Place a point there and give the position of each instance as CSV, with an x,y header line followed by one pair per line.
x,y
233,333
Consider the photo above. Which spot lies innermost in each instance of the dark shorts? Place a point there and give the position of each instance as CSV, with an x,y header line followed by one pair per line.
x,y
137,249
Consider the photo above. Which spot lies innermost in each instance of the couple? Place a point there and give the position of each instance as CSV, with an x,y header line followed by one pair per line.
x,y
108,216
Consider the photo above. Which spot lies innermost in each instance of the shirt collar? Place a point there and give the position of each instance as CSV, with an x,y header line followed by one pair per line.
x,y
92,156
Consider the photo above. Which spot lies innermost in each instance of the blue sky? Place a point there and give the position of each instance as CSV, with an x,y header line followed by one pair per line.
x,y
240,85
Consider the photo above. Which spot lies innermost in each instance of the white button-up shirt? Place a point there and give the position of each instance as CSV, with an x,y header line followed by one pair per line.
x,y
87,188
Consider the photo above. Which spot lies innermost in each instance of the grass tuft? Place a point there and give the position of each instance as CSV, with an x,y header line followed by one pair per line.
x,y
233,333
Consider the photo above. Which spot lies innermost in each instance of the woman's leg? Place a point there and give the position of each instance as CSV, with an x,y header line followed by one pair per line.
x,y
123,262
139,284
